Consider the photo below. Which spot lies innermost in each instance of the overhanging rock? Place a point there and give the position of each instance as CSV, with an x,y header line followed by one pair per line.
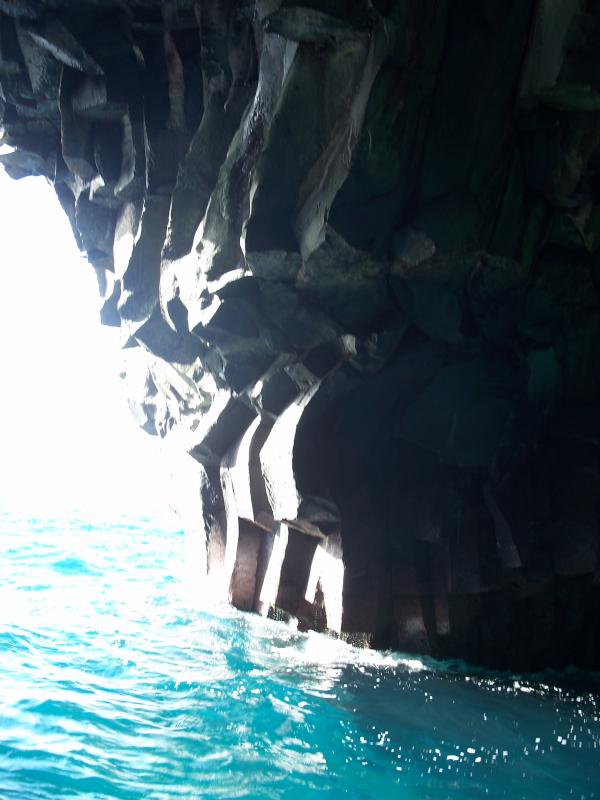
x,y
354,251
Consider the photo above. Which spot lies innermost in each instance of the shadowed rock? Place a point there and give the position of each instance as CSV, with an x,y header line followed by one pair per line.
x,y
354,251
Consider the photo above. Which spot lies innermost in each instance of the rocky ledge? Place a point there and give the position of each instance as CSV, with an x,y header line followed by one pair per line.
x,y
353,247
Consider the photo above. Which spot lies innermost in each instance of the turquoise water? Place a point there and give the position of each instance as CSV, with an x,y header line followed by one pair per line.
x,y
114,683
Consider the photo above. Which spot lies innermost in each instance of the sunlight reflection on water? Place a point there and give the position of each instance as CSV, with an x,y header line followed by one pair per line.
x,y
116,684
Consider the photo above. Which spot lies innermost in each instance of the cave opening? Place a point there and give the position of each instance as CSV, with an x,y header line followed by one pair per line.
x,y
349,254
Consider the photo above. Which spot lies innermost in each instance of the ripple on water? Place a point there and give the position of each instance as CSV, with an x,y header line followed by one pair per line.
x,y
116,685
71,565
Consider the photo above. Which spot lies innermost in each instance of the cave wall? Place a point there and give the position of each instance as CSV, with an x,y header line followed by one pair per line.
x,y
353,249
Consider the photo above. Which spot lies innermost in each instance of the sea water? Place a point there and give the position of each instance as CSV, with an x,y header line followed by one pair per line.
x,y
116,683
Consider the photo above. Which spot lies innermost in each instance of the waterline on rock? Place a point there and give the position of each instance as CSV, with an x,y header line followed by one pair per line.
x,y
118,684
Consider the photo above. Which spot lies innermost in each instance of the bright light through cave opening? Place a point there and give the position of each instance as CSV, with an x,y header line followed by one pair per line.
x,y
68,440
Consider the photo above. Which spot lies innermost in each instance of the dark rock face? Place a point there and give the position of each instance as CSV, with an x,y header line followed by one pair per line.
x,y
354,249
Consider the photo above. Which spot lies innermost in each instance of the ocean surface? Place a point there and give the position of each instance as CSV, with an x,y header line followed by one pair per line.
x,y
116,683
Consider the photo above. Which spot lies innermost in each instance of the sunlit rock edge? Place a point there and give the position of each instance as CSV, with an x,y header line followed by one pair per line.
x,y
353,249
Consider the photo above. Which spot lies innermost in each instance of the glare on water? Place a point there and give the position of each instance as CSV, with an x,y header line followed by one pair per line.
x,y
118,683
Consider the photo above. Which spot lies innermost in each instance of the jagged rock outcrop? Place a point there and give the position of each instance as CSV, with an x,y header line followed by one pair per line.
x,y
354,251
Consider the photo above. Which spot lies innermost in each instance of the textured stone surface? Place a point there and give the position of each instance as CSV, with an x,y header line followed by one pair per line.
x,y
354,249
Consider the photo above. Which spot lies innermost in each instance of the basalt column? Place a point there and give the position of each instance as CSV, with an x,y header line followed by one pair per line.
x,y
353,249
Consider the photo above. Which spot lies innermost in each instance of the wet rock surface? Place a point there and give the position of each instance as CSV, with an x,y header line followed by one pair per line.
x,y
354,250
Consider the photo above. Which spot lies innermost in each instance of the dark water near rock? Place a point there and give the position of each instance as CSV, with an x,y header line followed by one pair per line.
x,y
115,684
